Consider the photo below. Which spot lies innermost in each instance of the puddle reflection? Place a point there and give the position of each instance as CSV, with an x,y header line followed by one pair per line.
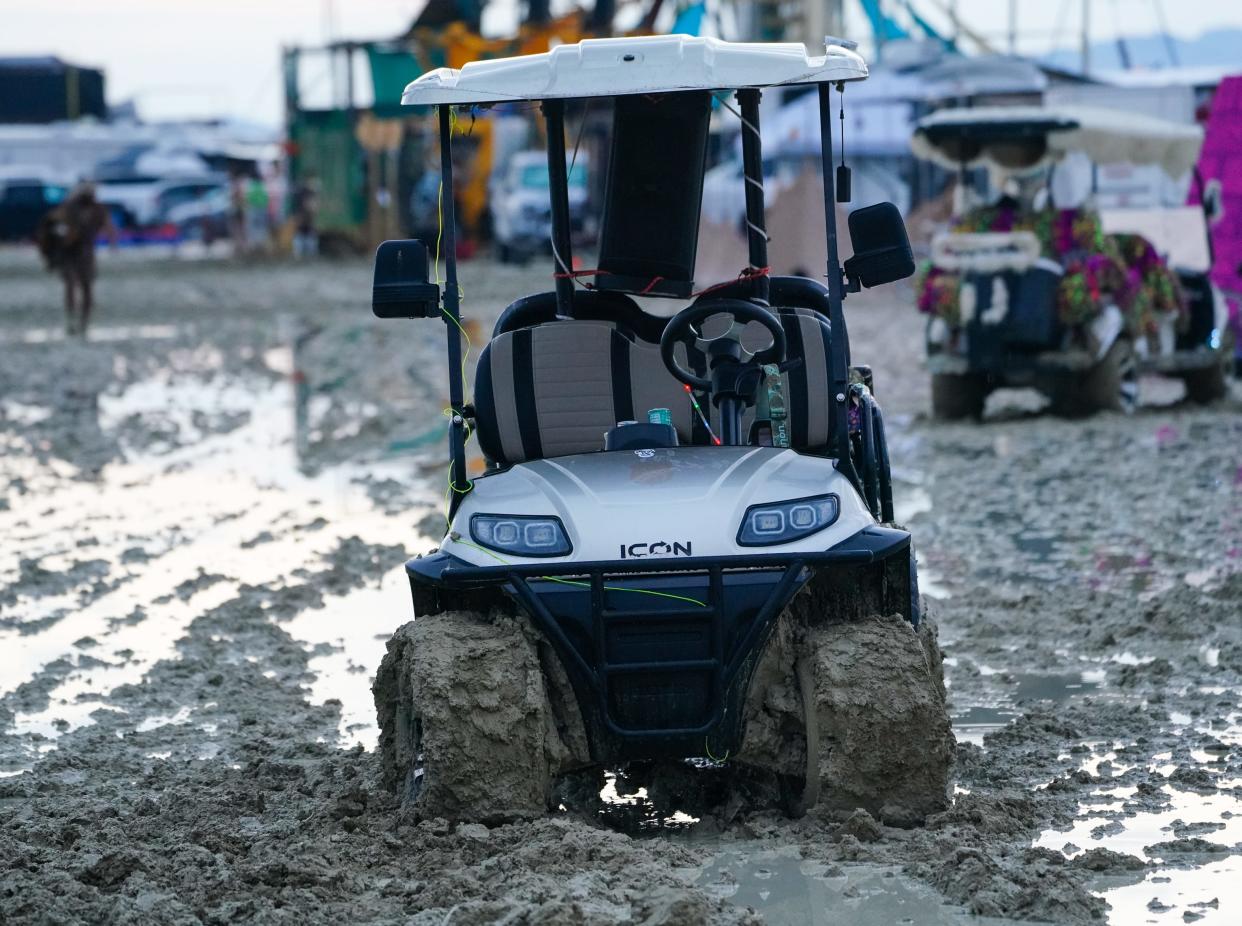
x,y
789,890
210,481
972,722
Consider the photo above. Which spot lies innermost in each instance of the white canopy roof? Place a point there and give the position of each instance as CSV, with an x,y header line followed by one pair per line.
x,y
1107,136
650,64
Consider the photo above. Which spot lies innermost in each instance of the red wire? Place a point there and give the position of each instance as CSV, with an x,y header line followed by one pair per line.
x,y
698,408
748,273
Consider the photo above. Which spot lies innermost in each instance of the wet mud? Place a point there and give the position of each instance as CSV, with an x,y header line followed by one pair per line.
x,y
203,529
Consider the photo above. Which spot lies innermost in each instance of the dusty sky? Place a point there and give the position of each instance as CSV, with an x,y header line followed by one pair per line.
x,y
221,57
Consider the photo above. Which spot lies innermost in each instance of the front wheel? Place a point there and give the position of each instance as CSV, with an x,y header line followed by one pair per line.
x,y
879,736
958,395
466,727
1110,385
1210,384
885,740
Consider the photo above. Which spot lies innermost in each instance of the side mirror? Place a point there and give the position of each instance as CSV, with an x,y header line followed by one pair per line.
x,y
401,288
881,247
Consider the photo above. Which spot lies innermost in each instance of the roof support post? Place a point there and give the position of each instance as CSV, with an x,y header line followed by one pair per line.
x,y
752,169
459,481
840,358
558,189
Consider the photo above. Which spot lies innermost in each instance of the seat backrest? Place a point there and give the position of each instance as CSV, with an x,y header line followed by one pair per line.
x,y
807,388
617,310
555,389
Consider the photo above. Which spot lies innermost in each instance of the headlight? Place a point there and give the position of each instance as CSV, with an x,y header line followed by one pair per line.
x,y
785,522
520,534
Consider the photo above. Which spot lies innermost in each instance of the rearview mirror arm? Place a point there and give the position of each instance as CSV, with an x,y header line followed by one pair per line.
x,y
459,481
840,353
1209,209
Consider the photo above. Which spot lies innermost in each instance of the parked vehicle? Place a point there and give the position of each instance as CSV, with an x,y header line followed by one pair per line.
x,y
26,197
521,216
1074,302
145,202
205,218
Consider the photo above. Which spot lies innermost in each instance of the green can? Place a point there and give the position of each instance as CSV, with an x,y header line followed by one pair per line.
x,y
659,416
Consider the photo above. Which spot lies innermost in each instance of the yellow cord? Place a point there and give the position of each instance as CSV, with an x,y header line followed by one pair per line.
x,y
440,204
439,280
464,333
607,588
450,412
439,229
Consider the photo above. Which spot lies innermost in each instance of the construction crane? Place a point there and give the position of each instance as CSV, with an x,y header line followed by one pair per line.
x,y
959,25
817,18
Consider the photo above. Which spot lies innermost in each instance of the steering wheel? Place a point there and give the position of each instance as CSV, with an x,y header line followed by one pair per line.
x,y
682,328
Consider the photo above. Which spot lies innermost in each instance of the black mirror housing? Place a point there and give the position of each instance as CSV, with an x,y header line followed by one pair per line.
x,y
401,288
882,251
1211,201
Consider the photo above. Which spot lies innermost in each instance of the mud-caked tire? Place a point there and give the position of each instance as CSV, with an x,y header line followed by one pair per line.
x,y
467,730
886,743
1211,383
955,396
1111,385
882,732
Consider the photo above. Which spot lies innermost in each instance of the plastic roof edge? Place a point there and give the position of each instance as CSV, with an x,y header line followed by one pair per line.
x,y
621,66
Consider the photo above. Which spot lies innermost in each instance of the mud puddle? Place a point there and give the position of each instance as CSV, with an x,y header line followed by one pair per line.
x,y
210,497
1180,823
1208,895
789,890
1013,693
345,639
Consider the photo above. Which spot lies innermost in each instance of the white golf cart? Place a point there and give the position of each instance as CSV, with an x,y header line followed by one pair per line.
x,y
1075,302
676,533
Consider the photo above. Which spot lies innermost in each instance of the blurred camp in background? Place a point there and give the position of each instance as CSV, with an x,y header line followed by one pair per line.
x,y
349,166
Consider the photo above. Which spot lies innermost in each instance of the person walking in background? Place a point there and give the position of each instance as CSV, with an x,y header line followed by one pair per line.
x,y
66,239
305,212
237,212
257,217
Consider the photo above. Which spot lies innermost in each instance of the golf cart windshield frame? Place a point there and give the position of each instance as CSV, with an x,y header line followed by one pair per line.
x,y
757,239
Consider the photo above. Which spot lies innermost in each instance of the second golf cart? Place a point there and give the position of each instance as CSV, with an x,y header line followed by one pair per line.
x,y
1076,302
681,546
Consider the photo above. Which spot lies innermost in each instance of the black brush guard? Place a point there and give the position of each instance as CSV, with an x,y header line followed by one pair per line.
x,y
660,653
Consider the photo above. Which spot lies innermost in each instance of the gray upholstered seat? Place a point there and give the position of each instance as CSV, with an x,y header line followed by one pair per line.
x,y
554,389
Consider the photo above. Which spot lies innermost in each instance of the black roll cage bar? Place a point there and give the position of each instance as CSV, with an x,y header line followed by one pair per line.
x,y
757,239
592,674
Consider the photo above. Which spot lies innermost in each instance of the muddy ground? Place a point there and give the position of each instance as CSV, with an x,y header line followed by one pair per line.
x,y
203,512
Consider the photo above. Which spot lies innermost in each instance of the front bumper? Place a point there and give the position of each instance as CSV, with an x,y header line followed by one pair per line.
x,y
659,652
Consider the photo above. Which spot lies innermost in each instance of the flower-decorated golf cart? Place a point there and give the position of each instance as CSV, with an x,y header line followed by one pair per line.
x,y
1073,301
